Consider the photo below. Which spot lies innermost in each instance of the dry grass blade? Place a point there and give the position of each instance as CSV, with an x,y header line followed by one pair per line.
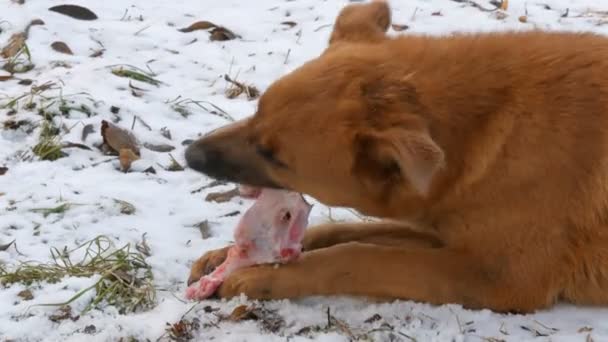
x,y
125,279
136,75
238,88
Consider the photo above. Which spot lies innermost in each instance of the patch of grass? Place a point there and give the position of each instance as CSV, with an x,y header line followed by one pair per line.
x,y
49,144
60,209
21,62
135,75
181,106
125,278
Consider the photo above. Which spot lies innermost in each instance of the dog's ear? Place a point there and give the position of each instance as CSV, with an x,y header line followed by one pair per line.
x,y
362,22
395,155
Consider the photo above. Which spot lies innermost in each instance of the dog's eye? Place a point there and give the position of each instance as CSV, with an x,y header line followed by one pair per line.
x,y
269,155
266,153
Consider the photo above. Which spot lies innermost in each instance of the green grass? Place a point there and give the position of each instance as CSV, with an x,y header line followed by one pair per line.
x,y
125,280
135,75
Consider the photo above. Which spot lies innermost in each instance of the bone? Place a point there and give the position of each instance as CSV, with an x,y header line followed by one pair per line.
x,y
270,231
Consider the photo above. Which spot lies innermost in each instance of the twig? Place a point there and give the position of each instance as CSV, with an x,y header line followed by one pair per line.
x,y
478,6
322,27
287,56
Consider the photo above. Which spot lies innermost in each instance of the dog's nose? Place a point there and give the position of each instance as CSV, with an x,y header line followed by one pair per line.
x,y
196,157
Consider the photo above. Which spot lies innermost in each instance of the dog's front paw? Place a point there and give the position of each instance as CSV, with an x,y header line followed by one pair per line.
x,y
205,288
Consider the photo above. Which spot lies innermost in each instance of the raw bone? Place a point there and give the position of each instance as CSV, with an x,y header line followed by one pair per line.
x,y
270,231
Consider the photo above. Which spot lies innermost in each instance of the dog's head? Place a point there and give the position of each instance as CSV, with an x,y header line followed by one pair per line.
x,y
337,128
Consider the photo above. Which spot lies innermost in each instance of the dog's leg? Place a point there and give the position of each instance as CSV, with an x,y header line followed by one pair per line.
x,y
325,235
432,275
380,233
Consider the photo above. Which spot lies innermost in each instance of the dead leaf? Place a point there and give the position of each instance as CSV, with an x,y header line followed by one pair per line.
x,y
119,138
3,170
26,294
585,329
221,33
500,15
289,23
199,25
159,147
74,11
15,44
25,82
241,313
221,197
63,313
88,129
504,5
399,28
126,156
523,19
437,14
61,47
5,78
6,246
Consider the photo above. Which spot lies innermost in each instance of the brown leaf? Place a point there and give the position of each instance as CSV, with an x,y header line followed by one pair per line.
x,y
504,5
159,147
63,313
62,48
118,138
523,19
585,329
74,11
199,25
5,78
126,157
289,23
26,295
15,44
3,170
221,197
221,33
240,313
399,28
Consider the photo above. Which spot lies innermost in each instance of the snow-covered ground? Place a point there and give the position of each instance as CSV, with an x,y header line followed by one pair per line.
x,y
169,204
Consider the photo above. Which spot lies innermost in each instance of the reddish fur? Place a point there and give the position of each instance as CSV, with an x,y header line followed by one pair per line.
x,y
488,153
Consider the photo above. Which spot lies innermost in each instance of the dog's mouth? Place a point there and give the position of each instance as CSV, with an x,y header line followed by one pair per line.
x,y
215,164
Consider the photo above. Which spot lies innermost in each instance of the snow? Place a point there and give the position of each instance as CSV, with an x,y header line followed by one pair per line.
x,y
145,34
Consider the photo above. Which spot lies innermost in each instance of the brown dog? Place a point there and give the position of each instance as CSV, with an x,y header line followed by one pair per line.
x,y
486,153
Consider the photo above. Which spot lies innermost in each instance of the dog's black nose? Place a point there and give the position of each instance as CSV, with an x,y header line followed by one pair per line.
x,y
196,157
